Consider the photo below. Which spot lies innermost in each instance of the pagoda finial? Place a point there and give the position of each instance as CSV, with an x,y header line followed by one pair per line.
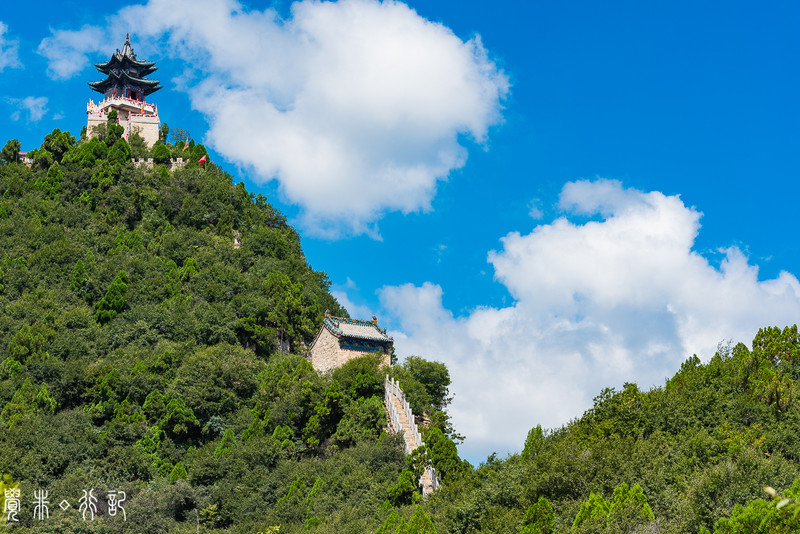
x,y
127,38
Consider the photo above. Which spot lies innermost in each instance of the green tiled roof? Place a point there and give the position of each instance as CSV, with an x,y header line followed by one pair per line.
x,y
355,328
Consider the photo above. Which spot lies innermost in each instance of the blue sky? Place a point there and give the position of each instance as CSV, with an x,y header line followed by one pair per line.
x,y
549,197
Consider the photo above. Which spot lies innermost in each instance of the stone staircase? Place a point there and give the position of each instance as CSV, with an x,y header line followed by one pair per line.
x,y
401,419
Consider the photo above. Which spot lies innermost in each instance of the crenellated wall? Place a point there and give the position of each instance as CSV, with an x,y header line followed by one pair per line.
x,y
175,163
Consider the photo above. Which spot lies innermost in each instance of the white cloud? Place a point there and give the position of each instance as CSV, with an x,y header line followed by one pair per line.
x,y
624,298
9,50
356,107
534,211
35,107
67,51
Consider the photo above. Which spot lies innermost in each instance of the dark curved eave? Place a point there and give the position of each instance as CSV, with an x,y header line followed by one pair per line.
x,y
144,67
147,86
138,82
151,90
100,87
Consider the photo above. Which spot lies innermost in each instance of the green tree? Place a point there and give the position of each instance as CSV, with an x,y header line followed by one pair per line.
x,y
138,145
442,453
362,420
627,511
539,518
434,376
58,143
404,491
161,154
10,153
114,131
781,514
327,414
593,512
178,473
419,523
288,310
79,280
775,366
226,445
29,343
53,181
119,153
27,400
114,301
42,158
534,443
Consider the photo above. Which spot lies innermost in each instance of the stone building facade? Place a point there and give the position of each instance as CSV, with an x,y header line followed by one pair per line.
x,y
340,339
124,90
131,115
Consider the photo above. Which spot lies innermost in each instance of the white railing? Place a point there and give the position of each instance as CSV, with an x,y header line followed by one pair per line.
x,y
436,483
392,388
101,106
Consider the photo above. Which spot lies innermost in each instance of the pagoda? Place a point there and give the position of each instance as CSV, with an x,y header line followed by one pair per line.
x,y
124,90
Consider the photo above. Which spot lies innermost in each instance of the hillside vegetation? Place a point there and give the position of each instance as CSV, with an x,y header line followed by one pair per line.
x,y
692,456
152,328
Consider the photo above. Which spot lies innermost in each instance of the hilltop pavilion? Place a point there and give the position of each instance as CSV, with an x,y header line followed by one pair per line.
x,y
124,90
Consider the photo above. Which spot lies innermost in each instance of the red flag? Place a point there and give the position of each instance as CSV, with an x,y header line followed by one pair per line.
x,y
115,91
202,160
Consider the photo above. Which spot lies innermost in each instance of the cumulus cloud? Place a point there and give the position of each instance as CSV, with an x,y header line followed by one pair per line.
x,y
9,50
34,107
356,107
623,298
67,51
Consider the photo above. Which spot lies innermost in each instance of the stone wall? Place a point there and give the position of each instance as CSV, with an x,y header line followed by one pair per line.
x,y
326,354
174,163
146,125
94,120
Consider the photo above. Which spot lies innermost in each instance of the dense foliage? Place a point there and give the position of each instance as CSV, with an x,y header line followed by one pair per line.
x,y
152,326
692,456
150,321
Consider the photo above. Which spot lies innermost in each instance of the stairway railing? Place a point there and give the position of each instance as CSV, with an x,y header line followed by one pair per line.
x,y
392,389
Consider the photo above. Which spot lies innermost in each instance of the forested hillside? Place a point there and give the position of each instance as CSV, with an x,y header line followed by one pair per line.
x,y
152,327
692,456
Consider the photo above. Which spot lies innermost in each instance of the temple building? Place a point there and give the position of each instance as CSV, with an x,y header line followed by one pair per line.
x,y
340,340
124,90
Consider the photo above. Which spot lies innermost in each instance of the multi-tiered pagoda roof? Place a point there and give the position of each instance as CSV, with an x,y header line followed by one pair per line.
x,y
126,74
